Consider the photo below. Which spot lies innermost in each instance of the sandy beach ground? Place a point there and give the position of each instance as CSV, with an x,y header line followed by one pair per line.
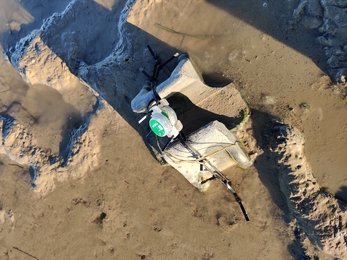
x,y
77,180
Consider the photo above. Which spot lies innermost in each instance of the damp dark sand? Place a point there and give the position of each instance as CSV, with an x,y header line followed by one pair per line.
x,y
113,200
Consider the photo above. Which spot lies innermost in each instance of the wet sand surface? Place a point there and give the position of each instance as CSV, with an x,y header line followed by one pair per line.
x,y
127,206
277,69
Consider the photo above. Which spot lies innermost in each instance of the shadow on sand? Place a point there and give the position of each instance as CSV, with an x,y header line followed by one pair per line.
x,y
270,171
272,18
341,195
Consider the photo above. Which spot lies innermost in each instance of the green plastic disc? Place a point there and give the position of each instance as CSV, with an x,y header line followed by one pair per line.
x,y
157,127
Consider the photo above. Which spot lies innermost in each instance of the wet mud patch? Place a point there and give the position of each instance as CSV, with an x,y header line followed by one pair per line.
x,y
98,218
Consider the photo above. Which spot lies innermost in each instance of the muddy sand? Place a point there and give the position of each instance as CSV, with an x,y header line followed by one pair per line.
x,y
77,179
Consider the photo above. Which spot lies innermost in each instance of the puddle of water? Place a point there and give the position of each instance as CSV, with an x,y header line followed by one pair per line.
x,y
53,116
38,107
325,130
12,16
48,107
18,18
109,4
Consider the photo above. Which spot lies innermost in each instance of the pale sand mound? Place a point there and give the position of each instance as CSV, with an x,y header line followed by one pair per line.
x,y
25,143
316,216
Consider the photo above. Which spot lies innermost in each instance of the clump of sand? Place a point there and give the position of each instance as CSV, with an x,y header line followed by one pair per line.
x,y
316,216
26,138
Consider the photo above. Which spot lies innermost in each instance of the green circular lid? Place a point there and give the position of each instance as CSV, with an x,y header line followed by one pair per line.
x,y
157,127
